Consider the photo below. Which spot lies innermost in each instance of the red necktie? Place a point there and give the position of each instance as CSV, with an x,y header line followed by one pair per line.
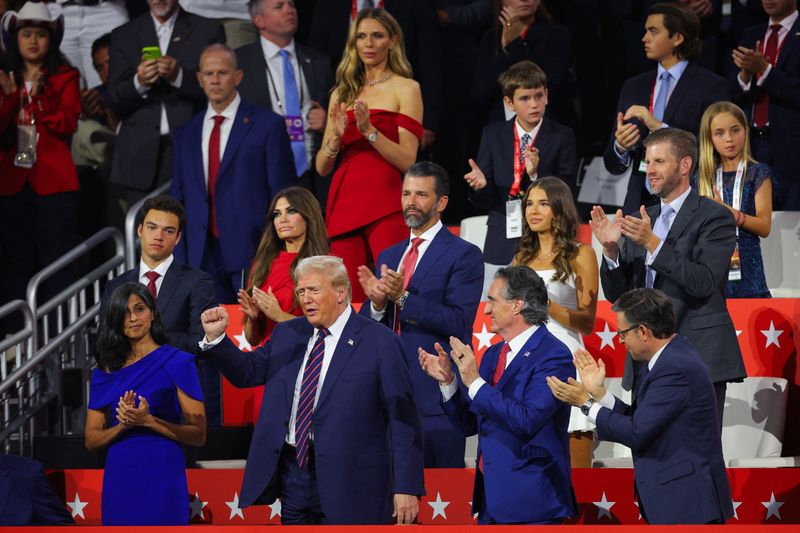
x,y
408,264
761,111
213,170
152,276
498,372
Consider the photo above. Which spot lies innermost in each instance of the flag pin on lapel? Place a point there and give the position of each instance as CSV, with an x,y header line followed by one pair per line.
x,y
526,354
350,342
246,120
176,39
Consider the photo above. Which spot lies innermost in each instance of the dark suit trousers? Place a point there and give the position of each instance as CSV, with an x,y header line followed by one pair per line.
x,y
299,493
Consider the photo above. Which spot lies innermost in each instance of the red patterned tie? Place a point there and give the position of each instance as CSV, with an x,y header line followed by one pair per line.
x,y
152,276
761,111
408,264
213,170
498,372
308,393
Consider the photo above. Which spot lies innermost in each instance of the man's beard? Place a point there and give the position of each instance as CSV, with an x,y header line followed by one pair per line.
x,y
418,219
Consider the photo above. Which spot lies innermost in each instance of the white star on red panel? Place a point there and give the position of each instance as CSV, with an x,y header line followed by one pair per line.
x,y
76,507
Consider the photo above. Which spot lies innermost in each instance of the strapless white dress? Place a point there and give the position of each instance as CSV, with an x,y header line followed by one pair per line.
x,y
565,294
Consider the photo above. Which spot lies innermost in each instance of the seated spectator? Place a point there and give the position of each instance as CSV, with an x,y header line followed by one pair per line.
x,y
154,93
676,94
294,230
523,31
244,159
729,174
39,108
26,497
515,153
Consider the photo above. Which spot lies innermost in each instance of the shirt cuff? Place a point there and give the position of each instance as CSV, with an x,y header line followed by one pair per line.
x,y
744,86
141,89
375,314
593,410
650,257
178,79
449,390
207,345
607,400
624,158
610,263
763,77
476,385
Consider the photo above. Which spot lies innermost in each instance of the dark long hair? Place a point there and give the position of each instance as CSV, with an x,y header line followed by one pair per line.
x,y
564,228
113,346
54,60
316,241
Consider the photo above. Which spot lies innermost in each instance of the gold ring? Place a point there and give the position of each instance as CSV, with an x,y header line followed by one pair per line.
x,y
508,24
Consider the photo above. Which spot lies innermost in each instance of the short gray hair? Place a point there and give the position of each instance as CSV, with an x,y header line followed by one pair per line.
x,y
255,7
523,283
219,47
330,266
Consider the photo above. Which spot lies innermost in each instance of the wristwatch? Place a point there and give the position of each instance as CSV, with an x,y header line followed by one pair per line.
x,y
372,137
402,300
585,407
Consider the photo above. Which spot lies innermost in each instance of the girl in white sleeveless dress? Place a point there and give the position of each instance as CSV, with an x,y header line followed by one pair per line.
x,y
569,269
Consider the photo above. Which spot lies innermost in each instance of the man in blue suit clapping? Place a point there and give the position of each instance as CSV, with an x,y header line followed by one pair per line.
x,y
523,471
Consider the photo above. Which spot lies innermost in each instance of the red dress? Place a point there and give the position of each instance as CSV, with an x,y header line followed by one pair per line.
x,y
280,279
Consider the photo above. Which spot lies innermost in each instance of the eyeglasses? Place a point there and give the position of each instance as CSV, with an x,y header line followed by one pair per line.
x,y
623,332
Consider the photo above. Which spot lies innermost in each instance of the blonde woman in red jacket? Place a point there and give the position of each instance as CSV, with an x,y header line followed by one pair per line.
x,y
39,97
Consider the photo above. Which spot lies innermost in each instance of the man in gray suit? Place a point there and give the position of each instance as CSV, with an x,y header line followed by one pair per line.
x,y
265,64
682,246
153,95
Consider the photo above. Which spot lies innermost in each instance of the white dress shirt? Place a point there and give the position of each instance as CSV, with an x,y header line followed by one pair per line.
x,y
608,400
164,32
224,130
515,346
161,269
427,237
276,87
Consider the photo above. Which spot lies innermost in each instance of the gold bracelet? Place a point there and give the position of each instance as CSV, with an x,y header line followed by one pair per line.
x,y
331,153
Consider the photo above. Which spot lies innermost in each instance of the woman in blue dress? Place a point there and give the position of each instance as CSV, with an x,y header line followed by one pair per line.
x,y
144,402
729,175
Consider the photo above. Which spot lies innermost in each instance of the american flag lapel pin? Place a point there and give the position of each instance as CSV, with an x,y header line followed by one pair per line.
x,y
176,39
246,120
526,354
350,342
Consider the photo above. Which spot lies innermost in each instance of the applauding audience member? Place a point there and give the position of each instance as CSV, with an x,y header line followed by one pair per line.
x,y
729,175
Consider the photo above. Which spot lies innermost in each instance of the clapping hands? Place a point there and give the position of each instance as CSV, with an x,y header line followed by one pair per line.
x,y
128,414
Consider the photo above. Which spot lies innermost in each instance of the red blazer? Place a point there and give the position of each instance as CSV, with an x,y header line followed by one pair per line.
x,y
56,110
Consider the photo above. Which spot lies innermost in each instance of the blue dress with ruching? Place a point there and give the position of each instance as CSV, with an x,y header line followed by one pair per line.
x,y
145,474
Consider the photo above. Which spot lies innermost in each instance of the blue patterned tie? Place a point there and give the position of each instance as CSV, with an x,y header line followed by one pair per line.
x,y
663,93
661,229
523,145
308,393
291,97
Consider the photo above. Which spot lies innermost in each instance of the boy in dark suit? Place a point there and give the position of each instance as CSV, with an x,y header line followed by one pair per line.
x,y
514,153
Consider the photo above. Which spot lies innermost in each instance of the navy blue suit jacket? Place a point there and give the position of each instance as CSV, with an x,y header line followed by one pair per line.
x,y
184,294
256,164
443,298
697,89
26,498
367,434
522,432
558,157
673,433
783,86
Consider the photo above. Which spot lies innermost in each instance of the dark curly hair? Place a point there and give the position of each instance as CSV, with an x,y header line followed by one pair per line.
x,y
113,346
564,228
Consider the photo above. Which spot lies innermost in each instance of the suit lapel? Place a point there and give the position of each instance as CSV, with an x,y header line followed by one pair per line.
x,y
180,34
308,69
171,281
436,248
522,358
147,30
345,348
683,87
684,216
241,126
544,138
296,360
789,44
507,151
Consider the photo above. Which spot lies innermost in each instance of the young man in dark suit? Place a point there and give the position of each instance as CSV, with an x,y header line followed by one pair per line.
x,y
675,94
769,81
512,154
26,497
265,83
181,292
153,96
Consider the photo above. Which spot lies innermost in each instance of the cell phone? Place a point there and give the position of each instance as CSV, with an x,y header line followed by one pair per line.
x,y
151,52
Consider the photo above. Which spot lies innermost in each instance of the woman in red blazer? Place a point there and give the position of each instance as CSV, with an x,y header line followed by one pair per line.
x,y
38,205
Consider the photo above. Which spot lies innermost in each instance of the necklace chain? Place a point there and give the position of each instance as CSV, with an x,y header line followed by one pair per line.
x,y
381,80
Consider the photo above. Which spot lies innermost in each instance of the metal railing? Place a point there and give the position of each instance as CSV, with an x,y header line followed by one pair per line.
x,y
131,239
44,370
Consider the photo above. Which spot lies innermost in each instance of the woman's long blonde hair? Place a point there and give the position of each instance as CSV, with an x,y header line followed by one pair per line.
x,y
709,158
350,74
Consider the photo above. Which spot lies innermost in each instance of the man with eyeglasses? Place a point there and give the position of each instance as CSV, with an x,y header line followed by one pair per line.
x,y
679,470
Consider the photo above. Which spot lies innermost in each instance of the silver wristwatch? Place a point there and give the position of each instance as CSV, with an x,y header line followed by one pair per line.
x,y
402,300
586,406
372,137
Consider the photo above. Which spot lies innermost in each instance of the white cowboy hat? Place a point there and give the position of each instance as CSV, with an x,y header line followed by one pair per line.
x,y
32,14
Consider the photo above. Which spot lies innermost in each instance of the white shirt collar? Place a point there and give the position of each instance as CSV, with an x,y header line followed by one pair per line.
x,y
429,233
517,343
651,363
229,112
337,327
676,70
786,23
677,203
161,268
169,24
521,131
271,49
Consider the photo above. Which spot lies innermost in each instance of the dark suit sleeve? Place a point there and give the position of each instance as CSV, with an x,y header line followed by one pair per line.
x,y
567,162
405,427
47,507
525,416
785,87
463,294
700,275
123,61
665,399
618,281
484,198
457,409
279,164
201,297
610,158
242,369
